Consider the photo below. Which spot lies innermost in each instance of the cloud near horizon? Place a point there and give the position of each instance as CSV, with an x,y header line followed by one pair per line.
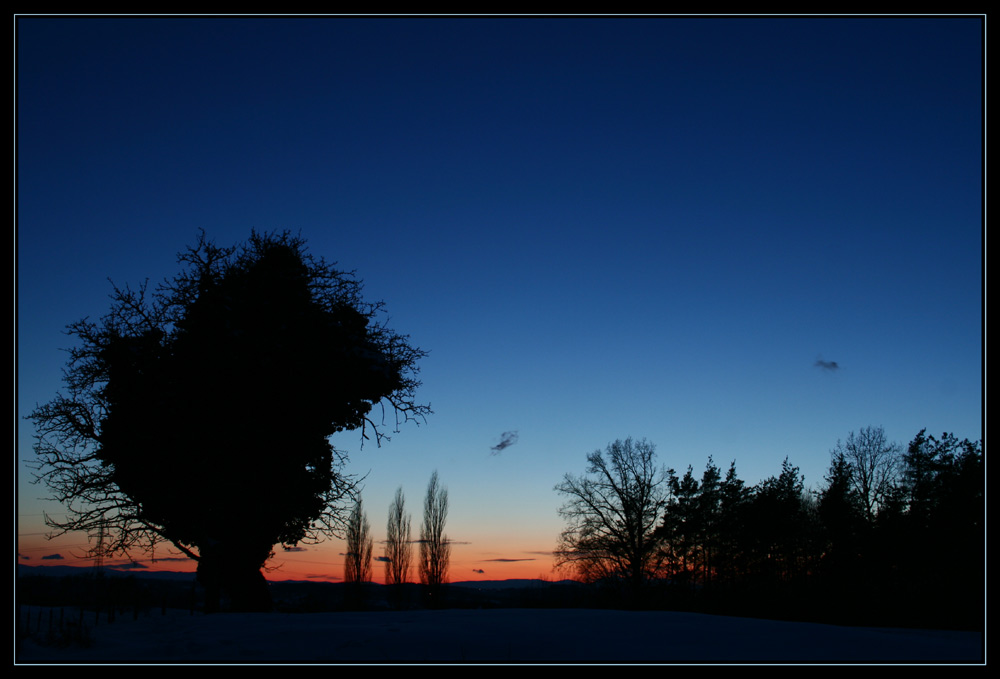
x,y
134,565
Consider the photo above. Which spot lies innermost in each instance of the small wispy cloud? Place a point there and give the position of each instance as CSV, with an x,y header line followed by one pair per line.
x,y
478,570
383,559
131,566
448,540
507,439
508,560
53,557
826,365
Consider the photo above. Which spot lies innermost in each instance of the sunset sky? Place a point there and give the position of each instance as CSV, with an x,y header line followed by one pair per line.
x,y
736,237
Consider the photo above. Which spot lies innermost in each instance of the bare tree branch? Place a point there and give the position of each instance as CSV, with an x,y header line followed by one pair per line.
x,y
612,514
873,464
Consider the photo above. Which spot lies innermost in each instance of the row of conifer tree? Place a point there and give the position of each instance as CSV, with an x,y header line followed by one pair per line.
x,y
893,536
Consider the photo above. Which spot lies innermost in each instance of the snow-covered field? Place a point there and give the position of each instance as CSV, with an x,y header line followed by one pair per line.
x,y
497,636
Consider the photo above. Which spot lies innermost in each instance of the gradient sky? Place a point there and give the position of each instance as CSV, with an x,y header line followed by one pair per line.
x,y
598,228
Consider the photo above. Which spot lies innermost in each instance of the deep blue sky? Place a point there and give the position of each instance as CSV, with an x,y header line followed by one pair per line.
x,y
599,228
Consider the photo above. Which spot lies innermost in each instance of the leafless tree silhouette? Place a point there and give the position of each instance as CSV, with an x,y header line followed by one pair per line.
x,y
358,562
397,544
612,513
873,467
435,550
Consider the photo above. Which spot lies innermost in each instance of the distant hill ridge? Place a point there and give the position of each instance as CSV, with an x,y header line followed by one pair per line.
x,y
24,570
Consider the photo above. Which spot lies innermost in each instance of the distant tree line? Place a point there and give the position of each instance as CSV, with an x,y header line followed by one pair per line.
x,y
893,535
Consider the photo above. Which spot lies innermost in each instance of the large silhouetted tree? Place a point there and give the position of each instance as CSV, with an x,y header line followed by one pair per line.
x,y
779,526
843,526
732,523
886,517
612,513
942,481
678,531
944,488
702,536
200,412
435,550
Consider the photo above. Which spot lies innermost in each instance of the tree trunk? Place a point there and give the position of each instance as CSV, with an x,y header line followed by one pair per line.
x,y
232,581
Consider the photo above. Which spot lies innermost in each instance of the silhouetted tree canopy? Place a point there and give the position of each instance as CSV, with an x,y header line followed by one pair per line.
x,y
779,525
865,548
872,464
612,513
200,412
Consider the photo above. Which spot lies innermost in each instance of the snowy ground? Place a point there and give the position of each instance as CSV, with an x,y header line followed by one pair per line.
x,y
496,636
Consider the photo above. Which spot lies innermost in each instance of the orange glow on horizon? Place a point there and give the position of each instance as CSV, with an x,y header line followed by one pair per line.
x,y
317,564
